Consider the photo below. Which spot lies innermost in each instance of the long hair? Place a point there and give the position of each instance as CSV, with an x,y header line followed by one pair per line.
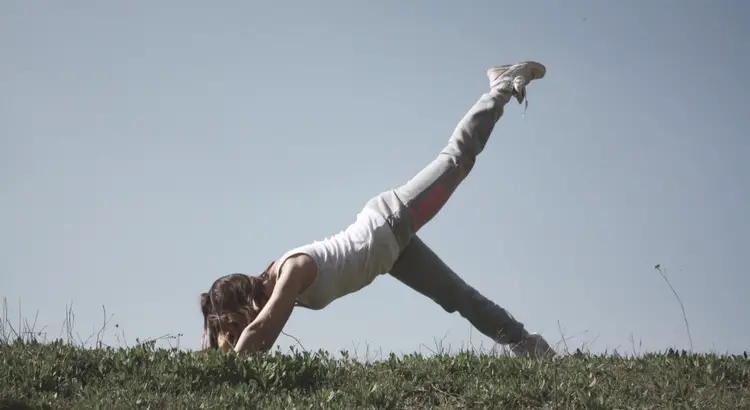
x,y
232,303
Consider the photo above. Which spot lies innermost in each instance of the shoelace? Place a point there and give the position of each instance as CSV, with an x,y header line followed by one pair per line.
x,y
519,91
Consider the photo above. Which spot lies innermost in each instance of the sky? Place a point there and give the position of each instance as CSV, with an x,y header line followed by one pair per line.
x,y
147,148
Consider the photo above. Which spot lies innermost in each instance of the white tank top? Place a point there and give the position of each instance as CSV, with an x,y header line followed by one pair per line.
x,y
349,260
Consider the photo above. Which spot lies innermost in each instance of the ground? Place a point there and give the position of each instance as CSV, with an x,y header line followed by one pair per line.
x,y
60,375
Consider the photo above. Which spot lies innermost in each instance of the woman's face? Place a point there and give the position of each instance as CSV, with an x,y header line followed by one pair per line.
x,y
230,328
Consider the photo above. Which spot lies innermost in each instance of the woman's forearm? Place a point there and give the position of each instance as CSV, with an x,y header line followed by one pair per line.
x,y
254,339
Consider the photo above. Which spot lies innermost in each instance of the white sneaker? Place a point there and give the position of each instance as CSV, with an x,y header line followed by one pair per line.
x,y
515,77
534,346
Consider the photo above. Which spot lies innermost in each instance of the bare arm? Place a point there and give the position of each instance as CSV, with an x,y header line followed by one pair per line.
x,y
261,334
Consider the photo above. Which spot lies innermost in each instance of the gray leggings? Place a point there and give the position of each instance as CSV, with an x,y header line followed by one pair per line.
x,y
410,206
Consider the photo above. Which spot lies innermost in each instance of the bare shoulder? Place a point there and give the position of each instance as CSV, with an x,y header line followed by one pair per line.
x,y
300,269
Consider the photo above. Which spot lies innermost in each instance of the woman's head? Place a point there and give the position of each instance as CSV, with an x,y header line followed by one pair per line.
x,y
232,302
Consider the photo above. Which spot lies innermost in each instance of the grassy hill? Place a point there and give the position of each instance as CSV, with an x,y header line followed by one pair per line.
x,y
59,375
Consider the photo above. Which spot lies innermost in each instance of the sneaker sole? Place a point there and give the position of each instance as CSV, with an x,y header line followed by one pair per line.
x,y
538,70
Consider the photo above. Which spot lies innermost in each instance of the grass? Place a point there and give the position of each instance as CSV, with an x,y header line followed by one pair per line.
x,y
60,375
66,374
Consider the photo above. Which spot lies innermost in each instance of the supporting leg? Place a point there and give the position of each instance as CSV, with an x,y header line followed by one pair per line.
x,y
422,270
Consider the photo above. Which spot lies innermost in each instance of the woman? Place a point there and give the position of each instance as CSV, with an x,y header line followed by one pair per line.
x,y
247,313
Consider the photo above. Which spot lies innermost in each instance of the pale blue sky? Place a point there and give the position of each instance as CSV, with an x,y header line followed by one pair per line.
x,y
148,147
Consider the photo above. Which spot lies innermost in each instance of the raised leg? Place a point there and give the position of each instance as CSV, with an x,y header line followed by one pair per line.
x,y
409,207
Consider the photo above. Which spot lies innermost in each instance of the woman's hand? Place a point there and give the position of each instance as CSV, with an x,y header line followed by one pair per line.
x,y
296,273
